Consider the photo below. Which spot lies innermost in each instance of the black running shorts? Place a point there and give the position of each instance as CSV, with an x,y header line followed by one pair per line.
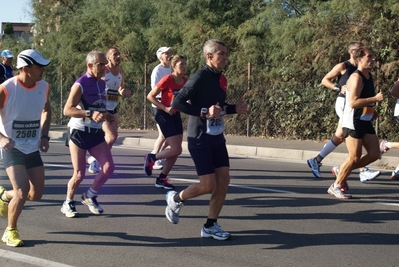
x,y
361,128
170,125
16,157
87,139
207,157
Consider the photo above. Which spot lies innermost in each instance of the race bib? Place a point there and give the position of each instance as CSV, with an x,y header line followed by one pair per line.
x,y
367,114
112,98
215,126
26,132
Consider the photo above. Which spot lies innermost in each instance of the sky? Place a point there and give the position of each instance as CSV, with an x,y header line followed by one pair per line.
x,y
15,11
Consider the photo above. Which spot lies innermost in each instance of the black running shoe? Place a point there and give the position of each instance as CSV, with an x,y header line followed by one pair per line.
x,y
148,164
164,183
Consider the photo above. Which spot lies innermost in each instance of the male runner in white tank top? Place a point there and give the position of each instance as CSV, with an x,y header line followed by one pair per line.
x,y
162,69
115,87
25,118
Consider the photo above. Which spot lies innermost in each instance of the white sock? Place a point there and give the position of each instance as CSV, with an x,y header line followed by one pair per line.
x,y
91,193
388,144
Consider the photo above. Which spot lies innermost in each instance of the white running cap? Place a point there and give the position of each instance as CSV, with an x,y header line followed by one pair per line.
x,y
161,50
31,57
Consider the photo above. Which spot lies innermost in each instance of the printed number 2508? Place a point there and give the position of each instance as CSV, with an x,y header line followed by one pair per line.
x,y
26,133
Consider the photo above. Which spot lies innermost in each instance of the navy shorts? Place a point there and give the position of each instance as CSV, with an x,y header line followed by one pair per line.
x,y
170,125
87,139
208,157
16,157
361,128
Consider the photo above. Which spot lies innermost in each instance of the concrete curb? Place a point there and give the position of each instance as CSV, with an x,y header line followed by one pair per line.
x,y
334,158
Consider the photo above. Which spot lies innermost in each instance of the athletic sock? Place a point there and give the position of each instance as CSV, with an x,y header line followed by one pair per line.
x,y
388,144
209,222
327,149
91,193
161,176
177,198
153,157
68,200
4,197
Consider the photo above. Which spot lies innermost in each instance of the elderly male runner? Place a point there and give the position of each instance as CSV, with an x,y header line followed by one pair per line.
x,y
115,87
86,107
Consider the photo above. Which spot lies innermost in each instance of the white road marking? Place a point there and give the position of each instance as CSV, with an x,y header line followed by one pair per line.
x,y
65,166
29,259
232,185
241,186
387,203
196,181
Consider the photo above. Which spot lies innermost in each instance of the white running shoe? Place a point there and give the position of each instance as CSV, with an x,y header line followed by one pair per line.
x,y
394,176
69,209
383,147
337,192
172,207
368,175
94,167
215,232
92,203
90,159
158,165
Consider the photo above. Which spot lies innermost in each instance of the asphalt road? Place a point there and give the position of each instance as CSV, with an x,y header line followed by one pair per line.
x,y
277,212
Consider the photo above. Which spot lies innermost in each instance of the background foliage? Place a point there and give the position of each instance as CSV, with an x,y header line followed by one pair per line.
x,y
279,52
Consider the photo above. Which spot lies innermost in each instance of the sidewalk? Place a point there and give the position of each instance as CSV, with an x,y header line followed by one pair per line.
x,y
250,146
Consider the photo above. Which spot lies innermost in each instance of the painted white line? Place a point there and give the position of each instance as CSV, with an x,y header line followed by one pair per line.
x,y
59,165
29,259
242,186
387,203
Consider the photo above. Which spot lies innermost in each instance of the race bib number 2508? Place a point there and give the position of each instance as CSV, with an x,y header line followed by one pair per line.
x,y
25,129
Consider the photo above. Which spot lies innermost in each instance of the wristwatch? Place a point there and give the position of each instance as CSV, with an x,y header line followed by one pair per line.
x,y
88,113
45,137
337,87
204,111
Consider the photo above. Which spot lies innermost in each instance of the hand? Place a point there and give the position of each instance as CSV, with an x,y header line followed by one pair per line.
x,y
126,92
379,97
214,111
169,110
241,106
98,116
7,143
44,144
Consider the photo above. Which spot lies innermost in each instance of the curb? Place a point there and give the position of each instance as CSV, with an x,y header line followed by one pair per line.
x,y
334,158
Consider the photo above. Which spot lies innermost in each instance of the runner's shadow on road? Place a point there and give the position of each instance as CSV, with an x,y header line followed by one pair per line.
x,y
270,238
284,241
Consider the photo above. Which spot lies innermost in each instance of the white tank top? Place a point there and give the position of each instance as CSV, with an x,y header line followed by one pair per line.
x,y
113,83
156,75
21,113
396,110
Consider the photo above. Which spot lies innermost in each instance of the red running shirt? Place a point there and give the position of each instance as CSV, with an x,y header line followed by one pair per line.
x,y
169,88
